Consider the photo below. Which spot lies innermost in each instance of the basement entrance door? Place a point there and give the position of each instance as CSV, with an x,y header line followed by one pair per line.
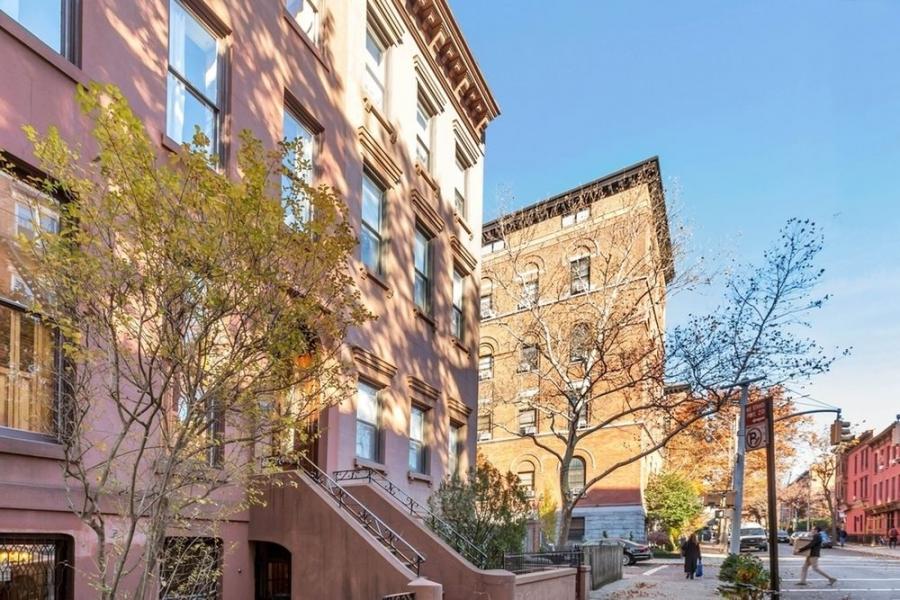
x,y
272,572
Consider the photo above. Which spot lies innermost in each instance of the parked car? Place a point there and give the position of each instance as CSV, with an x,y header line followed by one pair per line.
x,y
807,535
633,552
753,538
783,537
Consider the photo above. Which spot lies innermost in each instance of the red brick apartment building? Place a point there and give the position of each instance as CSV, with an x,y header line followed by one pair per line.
x,y
393,109
869,484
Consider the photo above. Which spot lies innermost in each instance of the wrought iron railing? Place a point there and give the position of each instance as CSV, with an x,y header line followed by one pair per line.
x,y
542,561
464,546
388,538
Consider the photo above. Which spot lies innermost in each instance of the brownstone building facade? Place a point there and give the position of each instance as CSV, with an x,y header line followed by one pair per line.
x,y
582,265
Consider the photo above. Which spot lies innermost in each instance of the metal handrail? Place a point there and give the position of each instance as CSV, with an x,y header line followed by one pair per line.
x,y
388,538
470,551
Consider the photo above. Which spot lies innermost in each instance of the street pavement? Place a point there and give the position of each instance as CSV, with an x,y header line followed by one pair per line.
x,y
861,575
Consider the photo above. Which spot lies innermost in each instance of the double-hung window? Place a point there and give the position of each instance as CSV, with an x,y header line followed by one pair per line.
x,y
527,421
306,14
371,231
580,343
300,162
51,21
460,186
424,120
580,270
526,480
576,475
368,431
422,260
530,290
485,425
457,317
485,367
376,69
454,451
418,452
486,304
194,79
31,217
529,359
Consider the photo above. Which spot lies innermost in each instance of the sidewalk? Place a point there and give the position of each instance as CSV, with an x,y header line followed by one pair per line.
x,y
636,587
873,550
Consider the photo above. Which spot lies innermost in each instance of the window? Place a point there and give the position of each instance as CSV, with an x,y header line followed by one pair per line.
x,y
583,415
526,480
422,260
529,359
579,346
454,450
368,431
491,247
580,269
376,69
29,218
28,374
460,185
194,79
485,366
35,567
417,448
370,238
424,119
486,305
530,290
485,424
301,164
51,21
576,475
527,421
190,569
306,14
457,318
576,530
576,217
206,415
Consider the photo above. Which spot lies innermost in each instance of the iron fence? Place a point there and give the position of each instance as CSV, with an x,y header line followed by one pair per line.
x,y
530,562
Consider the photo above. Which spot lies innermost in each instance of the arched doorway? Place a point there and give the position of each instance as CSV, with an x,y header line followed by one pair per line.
x,y
272,572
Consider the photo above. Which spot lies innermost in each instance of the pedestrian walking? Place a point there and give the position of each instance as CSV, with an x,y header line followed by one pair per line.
x,y
842,536
690,550
815,550
893,534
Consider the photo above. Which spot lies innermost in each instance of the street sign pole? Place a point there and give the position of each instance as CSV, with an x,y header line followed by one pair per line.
x,y
775,580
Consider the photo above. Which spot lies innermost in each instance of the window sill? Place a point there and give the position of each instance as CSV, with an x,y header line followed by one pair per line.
x,y
376,112
422,171
370,464
375,277
459,344
313,47
461,220
25,443
34,43
424,316
423,477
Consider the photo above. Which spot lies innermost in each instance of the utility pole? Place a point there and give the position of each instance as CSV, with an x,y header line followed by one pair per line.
x,y
738,478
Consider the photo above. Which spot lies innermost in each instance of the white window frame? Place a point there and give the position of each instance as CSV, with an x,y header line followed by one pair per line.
x,y
423,278
375,69
485,367
418,446
574,218
306,16
425,117
307,135
458,314
376,232
374,427
585,280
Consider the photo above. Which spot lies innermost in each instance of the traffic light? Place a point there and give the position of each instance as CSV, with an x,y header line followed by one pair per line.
x,y
840,432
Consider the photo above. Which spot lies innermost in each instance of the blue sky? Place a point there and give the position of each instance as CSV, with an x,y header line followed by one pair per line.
x,y
759,111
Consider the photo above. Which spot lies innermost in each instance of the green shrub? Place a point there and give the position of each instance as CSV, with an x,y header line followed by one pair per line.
x,y
744,576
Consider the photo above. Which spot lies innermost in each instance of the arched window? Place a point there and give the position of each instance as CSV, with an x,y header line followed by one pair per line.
x,y
487,299
576,475
579,345
531,290
485,364
526,478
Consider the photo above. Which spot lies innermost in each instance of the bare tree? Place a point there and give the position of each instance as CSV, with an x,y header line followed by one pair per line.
x,y
198,330
591,339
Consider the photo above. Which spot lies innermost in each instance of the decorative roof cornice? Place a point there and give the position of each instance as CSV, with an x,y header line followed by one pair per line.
x,y
438,35
644,172
364,357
